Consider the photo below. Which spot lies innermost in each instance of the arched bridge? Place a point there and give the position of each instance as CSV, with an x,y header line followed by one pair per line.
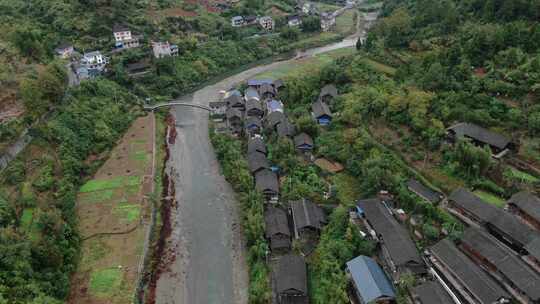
x,y
169,104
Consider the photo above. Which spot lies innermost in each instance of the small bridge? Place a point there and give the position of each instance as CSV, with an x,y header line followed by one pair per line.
x,y
170,104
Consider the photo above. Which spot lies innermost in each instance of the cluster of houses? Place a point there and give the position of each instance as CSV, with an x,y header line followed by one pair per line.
x,y
495,261
93,63
265,22
252,114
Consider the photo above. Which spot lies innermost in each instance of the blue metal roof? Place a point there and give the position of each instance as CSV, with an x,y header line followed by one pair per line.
x,y
369,279
275,105
258,82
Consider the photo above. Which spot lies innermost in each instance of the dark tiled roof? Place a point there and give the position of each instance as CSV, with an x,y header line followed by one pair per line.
x,y
276,222
395,237
117,27
320,108
470,276
369,279
266,180
533,248
307,214
252,121
285,128
432,293
234,100
279,83
493,216
466,200
480,134
266,88
423,191
256,144
303,139
233,112
274,118
506,262
257,161
330,90
291,274
254,105
527,202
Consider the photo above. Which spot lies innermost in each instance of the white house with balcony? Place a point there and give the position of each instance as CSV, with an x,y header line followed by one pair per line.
x,y
123,37
94,60
266,22
164,49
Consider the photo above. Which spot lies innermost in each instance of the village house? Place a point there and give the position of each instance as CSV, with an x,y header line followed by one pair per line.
x,y
255,108
250,20
256,145
431,292
290,277
94,60
286,129
472,283
533,250
397,247
424,192
308,219
252,92
123,37
526,206
267,91
498,143
370,283
266,22
502,263
505,226
235,100
277,230
253,125
237,21
328,93
219,108
234,120
321,112
294,21
328,20
303,142
64,50
278,84
164,49
273,119
274,105
138,68
266,181
257,162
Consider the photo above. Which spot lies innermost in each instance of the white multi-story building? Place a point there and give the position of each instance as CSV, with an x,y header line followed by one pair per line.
x,y
164,49
94,60
266,23
123,37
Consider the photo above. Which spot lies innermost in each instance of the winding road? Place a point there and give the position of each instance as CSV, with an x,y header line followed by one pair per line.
x,y
206,255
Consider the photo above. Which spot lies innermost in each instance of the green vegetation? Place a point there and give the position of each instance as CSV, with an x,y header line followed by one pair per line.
x,y
105,282
96,196
127,212
490,198
110,183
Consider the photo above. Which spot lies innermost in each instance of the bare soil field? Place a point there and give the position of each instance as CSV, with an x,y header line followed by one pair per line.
x,y
113,213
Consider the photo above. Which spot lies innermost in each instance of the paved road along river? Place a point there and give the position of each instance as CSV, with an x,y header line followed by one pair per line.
x,y
208,264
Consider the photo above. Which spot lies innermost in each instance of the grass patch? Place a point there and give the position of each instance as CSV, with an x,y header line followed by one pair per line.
x,y
27,218
105,282
490,198
140,156
97,249
96,196
379,67
522,176
346,22
127,212
347,188
111,183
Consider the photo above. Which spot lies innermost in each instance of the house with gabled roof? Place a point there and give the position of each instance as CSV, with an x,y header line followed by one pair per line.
x,y
503,264
371,285
277,230
235,100
64,50
286,128
467,278
328,93
527,206
256,145
123,37
321,112
273,119
290,277
266,91
257,162
397,247
253,125
234,119
424,192
480,136
255,107
267,182
308,218
431,292
303,142
252,92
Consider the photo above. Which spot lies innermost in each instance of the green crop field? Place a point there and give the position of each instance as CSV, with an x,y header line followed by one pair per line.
x,y
105,282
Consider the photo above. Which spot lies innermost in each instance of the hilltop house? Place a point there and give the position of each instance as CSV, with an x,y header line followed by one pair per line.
x,y
64,50
303,142
123,37
371,285
164,49
237,21
328,93
277,230
91,65
294,20
321,112
472,283
290,277
498,143
266,22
